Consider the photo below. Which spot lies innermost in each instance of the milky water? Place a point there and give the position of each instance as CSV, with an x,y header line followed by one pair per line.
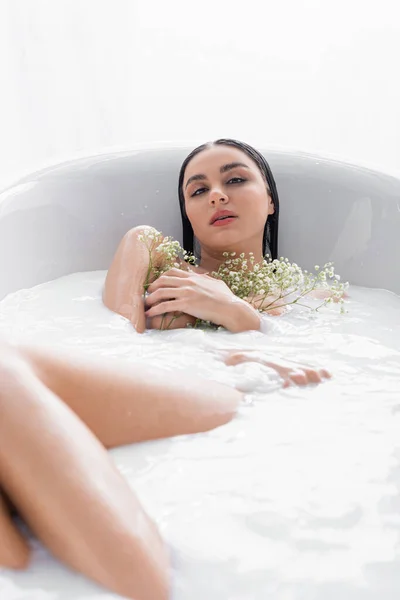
x,y
298,498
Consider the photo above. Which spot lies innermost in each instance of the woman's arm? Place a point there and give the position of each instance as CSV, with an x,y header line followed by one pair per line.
x,y
125,279
241,316
133,264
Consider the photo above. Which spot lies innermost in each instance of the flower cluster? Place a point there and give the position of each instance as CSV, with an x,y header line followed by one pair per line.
x,y
165,253
274,284
269,285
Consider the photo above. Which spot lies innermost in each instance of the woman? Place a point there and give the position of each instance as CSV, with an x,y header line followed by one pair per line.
x,y
59,413
229,202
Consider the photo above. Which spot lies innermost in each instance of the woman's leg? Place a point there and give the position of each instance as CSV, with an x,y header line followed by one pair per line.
x,y
59,476
14,549
123,403
63,483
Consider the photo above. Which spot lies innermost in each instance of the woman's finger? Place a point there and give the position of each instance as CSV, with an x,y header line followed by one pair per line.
x,y
177,273
298,377
325,373
166,281
165,307
313,376
162,294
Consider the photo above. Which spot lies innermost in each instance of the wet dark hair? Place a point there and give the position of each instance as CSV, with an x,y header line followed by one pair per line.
x,y
270,237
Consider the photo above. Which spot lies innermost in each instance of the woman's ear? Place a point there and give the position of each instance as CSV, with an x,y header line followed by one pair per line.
x,y
271,206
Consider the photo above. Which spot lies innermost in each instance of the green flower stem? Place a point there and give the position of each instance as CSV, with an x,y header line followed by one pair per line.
x,y
174,318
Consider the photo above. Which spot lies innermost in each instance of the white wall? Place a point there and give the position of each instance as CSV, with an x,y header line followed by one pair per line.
x,y
83,76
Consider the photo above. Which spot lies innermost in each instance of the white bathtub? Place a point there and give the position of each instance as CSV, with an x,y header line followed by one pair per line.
x,y
70,217
296,499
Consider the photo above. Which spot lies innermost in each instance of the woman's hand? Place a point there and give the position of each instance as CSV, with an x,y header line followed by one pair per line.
x,y
201,296
184,291
291,372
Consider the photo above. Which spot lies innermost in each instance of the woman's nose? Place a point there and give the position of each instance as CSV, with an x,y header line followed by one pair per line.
x,y
218,197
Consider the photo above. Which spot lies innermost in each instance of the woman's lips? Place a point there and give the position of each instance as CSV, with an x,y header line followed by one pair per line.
x,y
224,221
220,214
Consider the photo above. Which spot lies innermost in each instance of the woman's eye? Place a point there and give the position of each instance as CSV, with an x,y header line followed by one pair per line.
x,y
236,180
198,192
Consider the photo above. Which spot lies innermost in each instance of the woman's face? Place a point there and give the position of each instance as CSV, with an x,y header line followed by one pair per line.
x,y
226,199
